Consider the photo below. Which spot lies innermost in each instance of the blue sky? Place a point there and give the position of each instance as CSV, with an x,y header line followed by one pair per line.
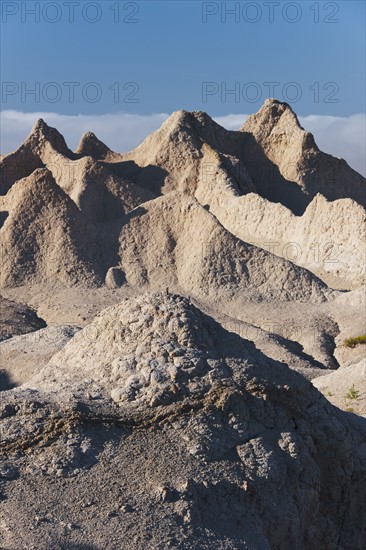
x,y
170,52
147,59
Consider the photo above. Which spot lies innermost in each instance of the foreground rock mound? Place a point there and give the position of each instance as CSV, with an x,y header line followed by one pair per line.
x,y
157,412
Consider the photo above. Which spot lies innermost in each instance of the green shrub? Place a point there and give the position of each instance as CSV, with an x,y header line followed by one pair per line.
x,y
352,342
352,393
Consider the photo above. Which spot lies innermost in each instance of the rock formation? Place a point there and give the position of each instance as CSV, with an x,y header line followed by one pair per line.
x,y
226,172
251,443
182,304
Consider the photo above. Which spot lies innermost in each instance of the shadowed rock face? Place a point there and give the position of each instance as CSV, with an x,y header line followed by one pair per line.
x,y
291,168
173,416
17,319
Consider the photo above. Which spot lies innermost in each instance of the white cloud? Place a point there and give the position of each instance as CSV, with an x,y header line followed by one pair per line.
x,y
231,122
343,137
120,131
339,136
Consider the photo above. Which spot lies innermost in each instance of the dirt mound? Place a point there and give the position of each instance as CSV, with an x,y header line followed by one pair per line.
x,y
328,239
181,245
156,349
44,235
227,441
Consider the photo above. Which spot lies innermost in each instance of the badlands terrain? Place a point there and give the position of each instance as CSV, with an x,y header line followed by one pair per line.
x,y
174,366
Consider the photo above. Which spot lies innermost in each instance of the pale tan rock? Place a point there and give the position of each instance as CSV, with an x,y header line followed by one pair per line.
x,y
44,236
346,387
191,154
293,169
329,238
115,277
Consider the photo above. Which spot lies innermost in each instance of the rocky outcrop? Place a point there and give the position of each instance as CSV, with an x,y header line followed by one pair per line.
x,y
181,245
17,319
228,442
225,171
328,239
44,235
91,146
288,164
45,146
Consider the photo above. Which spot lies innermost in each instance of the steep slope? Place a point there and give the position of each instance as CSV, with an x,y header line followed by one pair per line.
x,y
290,167
173,157
191,154
100,194
272,155
174,242
44,146
222,182
91,146
44,236
226,171
171,241
328,239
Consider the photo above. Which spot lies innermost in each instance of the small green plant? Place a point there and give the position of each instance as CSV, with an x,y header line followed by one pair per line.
x,y
350,410
352,393
355,340
330,394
